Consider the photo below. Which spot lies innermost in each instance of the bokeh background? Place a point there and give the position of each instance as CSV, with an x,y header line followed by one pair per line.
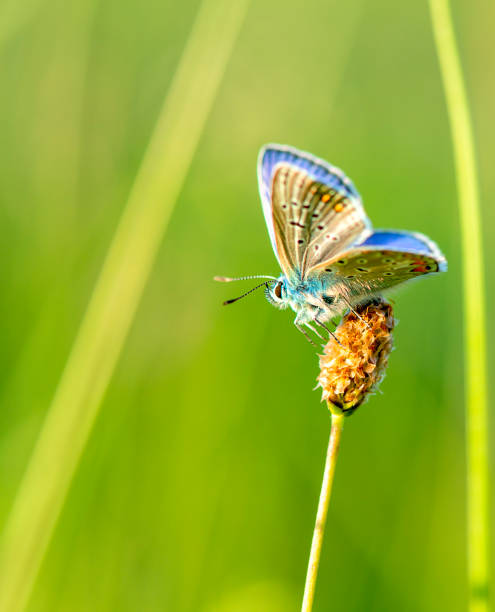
x,y
198,488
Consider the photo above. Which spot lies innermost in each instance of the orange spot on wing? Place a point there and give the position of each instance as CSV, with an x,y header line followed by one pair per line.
x,y
338,208
325,197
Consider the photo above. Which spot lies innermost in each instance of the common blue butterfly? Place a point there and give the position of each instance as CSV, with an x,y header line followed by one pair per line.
x,y
330,256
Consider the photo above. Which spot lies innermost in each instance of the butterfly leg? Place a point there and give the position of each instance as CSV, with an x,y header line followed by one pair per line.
x,y
306,335
315,331
355,313
330,333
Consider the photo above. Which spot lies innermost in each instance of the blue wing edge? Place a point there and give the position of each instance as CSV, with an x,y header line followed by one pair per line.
x,y
401,240
271,155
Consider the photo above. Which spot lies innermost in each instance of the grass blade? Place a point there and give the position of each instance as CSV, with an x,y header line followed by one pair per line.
x,y
474,307
115,298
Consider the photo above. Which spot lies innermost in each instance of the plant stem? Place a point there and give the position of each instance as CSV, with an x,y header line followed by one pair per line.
x,y
474,308
321,516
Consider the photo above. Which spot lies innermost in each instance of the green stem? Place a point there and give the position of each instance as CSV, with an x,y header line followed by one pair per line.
x,y
321,516
474,308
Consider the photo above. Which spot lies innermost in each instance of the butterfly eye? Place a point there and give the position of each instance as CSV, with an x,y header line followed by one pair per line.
x,y
278,291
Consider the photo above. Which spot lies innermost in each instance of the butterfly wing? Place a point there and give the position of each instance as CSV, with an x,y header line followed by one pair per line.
x,y
311,208
384,259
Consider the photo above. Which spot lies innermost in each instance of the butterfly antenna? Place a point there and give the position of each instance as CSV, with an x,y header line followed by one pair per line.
x,y
247,293
228,279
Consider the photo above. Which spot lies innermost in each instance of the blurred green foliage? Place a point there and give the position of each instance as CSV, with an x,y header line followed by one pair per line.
x,y
198,489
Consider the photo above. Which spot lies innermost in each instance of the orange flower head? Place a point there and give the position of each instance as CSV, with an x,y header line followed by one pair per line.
x,y
351,370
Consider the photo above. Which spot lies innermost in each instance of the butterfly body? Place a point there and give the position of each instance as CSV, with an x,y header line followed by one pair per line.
x,y
331,258
314,298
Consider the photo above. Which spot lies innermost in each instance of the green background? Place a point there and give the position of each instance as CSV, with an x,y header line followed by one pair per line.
x,y
198,488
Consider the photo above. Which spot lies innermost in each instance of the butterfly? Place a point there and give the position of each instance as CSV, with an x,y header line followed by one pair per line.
x,y
330,256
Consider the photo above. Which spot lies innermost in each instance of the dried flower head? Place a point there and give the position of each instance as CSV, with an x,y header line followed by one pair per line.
x,y
349,371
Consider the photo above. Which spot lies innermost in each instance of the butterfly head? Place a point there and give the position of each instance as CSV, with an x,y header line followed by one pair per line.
x,y
276,293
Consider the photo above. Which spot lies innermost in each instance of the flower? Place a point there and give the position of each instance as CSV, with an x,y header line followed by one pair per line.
x,y
351,368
